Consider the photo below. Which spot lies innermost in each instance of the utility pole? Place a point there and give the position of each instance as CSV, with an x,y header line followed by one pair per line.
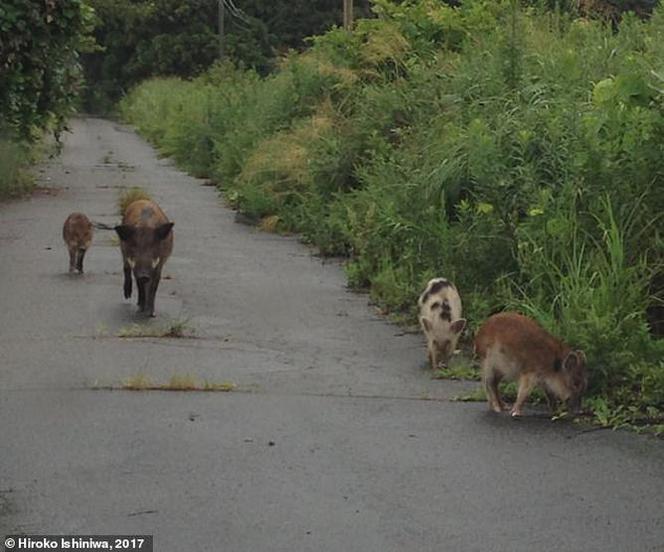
x,y
222,38
348,14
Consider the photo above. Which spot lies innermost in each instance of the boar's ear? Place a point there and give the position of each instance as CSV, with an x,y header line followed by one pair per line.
x,y
125,231
458,325
572,361
425,324
162,231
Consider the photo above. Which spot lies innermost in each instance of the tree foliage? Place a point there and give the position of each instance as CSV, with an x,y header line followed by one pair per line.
x,y
40,73
144,38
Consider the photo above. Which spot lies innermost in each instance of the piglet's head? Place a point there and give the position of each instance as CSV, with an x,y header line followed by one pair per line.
x,y
575,377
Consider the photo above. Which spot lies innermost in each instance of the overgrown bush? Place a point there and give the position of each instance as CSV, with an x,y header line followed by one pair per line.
x,y
39,69
14,161
518,152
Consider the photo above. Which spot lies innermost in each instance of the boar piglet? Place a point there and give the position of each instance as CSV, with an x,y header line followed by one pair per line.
x,y
146,240
77,233
512,346
440,318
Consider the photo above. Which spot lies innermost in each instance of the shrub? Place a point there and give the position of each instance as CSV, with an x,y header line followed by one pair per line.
x,y
518,153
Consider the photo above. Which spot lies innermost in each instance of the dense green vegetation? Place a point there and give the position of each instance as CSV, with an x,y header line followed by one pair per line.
x,y
39,77
519,153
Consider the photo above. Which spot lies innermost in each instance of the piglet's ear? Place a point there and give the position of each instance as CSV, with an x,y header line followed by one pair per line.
x,y
162,231
458,325
572,361
125,231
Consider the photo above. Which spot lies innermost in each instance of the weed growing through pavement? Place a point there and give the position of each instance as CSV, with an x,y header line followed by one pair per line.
x,y
178,328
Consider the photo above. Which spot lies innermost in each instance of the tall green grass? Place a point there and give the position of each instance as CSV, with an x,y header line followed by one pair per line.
x,y
15,159
518,152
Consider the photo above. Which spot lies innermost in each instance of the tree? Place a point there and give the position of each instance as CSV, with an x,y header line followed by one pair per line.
x,y
144,38
40,73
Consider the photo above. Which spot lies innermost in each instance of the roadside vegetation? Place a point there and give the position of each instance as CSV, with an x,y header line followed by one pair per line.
x,y
15,179
39,79
517,151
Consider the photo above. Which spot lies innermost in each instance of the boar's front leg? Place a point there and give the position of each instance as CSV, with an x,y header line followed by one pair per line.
x,y
152,292
127,281
141,295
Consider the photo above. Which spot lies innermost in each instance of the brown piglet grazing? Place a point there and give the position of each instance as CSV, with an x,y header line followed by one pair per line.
x,y
512,346
77,233
146,241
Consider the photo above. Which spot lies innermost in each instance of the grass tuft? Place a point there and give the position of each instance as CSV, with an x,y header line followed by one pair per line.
x,y
179,328
127,197
141,382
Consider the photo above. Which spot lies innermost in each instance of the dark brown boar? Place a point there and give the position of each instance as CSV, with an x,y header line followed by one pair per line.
x,y
146,240
510,345
77,233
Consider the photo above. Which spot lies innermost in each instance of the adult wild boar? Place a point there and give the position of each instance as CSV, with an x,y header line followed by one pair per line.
x,y
77,233
440,318
146,240
510,345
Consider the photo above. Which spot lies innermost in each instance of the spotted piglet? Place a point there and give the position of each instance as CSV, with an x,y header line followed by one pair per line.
x,y
440,318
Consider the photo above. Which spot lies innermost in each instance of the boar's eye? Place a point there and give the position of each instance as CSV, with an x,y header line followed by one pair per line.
x,y
155,262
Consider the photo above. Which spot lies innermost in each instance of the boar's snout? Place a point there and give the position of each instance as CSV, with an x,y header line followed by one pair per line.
x,y
143,275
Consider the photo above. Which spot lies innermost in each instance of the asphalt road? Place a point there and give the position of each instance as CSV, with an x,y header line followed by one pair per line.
x,y
336,439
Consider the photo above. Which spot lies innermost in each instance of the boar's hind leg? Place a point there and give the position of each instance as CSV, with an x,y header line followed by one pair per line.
x,y
127,281
79,260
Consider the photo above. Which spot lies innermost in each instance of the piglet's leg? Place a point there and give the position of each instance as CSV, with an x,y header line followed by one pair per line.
x,y
79,260
551,400
433,355
72,259
526,384
491,380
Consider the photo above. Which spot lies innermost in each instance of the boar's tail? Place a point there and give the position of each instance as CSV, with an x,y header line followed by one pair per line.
x,y
102,226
